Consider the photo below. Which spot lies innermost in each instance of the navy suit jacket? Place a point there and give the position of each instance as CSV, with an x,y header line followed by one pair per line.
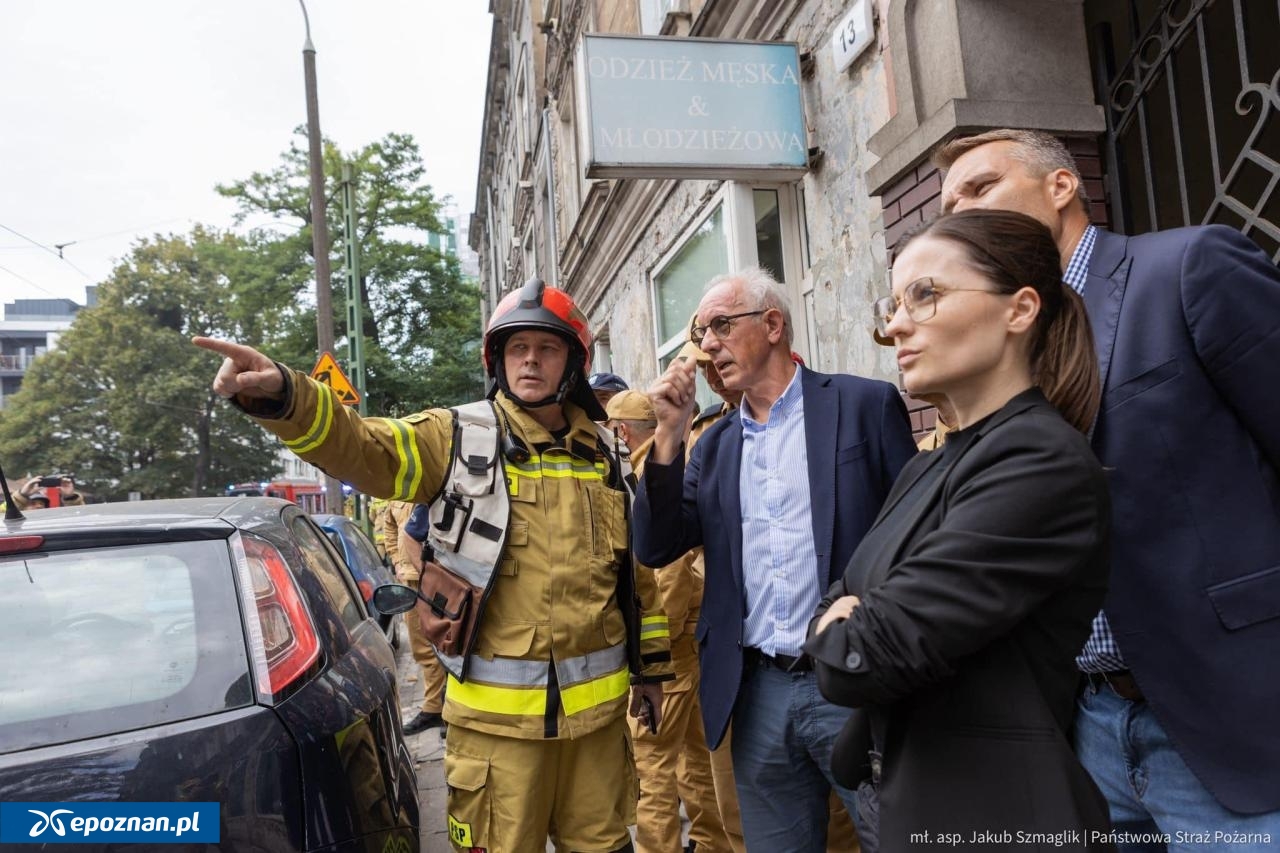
x,y
1187,327
857,438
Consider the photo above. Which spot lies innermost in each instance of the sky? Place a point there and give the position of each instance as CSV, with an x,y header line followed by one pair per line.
x,y
118,118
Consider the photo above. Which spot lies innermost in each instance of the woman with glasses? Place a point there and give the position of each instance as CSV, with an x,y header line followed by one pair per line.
x,y
958,619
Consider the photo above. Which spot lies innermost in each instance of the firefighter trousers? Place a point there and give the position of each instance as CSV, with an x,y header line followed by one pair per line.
x,y
433,674
675,765
509,795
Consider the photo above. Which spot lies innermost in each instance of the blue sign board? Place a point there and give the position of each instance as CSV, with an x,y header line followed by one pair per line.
x,y
692,108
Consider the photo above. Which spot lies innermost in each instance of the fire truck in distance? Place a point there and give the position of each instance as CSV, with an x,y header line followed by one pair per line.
x,y
307,495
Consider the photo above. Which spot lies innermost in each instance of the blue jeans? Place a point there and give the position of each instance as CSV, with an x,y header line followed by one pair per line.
x,y
782,735
1149,787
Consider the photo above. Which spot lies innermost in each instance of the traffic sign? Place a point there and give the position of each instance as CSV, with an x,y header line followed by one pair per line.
x,y
328,372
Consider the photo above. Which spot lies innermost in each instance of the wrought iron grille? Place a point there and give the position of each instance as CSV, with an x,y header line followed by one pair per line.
x,y
1191,92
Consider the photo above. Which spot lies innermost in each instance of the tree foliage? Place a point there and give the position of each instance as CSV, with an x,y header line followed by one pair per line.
x,y
422,319
124,402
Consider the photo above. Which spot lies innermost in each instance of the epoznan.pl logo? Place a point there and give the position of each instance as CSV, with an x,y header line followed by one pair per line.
x,y
48,820
97,823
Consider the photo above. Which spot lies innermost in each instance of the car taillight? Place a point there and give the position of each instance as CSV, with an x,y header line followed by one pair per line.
x,y
283,640
19,544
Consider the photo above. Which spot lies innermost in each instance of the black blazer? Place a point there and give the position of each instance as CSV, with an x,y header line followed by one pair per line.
x,y
1187,325
962,650
857,439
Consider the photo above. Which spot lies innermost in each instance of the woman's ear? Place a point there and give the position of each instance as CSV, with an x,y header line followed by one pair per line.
x,y
1024,309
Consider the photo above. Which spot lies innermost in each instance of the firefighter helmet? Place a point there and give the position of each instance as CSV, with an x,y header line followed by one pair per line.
x,y
549,309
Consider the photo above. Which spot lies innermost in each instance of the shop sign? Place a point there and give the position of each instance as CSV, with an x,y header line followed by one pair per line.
x,y
692,108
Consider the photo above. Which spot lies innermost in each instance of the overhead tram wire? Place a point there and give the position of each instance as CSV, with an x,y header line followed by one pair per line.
x,y
29,281
57,248
55,252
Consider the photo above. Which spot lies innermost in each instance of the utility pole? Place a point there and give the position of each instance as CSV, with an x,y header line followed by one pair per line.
x,y
319,231
355,310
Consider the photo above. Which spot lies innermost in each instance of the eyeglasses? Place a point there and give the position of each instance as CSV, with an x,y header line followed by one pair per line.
x,y
920,298
722,325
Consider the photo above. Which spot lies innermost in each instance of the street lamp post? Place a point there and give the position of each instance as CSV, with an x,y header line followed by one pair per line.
x,y
319,230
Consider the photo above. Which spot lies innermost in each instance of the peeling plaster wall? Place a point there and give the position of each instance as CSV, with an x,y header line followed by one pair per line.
x,y
845,243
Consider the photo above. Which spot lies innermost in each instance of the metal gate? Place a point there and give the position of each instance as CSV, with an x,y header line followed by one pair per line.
x,y
1191,92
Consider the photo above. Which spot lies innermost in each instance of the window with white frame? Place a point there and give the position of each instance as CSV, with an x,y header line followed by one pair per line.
x,y
744,225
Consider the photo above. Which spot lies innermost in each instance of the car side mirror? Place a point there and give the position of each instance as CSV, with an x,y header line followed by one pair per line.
x,y
392,598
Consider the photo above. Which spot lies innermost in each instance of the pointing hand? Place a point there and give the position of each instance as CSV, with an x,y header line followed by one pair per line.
x,y
244,370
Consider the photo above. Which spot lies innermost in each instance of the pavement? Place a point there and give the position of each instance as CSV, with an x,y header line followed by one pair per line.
x,y
427,748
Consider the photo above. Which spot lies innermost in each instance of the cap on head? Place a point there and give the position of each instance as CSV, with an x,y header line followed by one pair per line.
x,y
690,349
630,406
607,382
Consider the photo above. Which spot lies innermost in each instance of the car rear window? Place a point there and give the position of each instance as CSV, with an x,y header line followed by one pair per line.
x,y
113,639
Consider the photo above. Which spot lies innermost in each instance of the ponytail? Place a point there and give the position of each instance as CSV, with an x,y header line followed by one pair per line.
x,y
1067,367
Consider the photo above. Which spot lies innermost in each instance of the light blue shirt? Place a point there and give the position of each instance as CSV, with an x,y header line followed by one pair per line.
x,y
779,563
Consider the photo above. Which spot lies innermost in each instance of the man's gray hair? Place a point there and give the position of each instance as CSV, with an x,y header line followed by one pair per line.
x,y
1039,152
761,291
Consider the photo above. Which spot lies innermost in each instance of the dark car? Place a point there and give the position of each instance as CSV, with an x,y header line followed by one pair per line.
x,y
205,650
364,562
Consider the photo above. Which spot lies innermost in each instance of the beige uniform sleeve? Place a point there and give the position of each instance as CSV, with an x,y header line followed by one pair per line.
x,y
399,458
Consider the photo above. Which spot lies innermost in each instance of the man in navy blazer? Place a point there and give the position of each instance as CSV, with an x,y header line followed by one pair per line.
x,y
1177,717
779,497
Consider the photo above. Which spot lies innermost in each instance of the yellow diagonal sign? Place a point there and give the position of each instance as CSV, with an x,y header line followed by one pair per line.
x,y
328,372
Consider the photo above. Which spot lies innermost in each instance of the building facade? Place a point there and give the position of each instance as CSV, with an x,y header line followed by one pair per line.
x,y
1168,106
31,328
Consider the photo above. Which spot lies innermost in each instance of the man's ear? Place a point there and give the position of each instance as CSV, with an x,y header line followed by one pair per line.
x,y
1025,308
775,325
1062,187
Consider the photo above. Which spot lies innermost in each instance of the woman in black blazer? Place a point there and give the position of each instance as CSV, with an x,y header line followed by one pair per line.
x,y
957,621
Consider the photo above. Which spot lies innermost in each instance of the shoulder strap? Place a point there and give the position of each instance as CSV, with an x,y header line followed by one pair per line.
x,y
471,515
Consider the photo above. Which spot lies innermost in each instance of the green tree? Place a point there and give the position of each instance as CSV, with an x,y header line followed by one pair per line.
x,y
124,403
422,318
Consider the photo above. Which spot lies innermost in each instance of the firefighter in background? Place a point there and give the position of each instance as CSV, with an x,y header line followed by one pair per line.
x,y
377,515
537,742
673,764
405,554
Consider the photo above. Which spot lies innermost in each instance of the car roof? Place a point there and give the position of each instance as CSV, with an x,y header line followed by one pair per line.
x,y
155,520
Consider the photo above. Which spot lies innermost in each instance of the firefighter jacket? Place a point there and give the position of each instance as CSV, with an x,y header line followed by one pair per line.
x,y
398,544
680,587
703,422
550,657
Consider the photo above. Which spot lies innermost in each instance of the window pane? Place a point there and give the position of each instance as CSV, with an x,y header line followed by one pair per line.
x,y
769,232
704,256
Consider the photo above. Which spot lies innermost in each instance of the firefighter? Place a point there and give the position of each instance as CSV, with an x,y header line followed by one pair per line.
x,y
537,744
405,555
674,764
377,517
